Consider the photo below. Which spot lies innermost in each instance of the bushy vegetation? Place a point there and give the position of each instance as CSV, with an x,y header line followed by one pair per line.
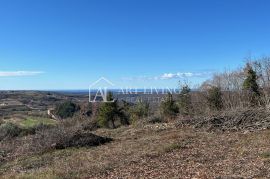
x,y
214,98
169,108
110,113
87,110
9,130
250,84
66,109
154,119
185,100
242,88
25,127
225,91
139,111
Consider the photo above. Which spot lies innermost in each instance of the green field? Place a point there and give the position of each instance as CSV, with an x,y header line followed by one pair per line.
x,y
30,122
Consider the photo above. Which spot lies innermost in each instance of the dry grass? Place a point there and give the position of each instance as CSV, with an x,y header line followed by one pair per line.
x,y
154,151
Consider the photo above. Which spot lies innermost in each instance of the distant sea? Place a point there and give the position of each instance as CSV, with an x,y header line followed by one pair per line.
x,y
117,91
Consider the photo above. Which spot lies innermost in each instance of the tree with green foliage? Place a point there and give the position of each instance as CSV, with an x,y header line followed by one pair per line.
x,y
66,109
124,112
169,108
110,112
185,100
214,98
250,82
250,85
139,110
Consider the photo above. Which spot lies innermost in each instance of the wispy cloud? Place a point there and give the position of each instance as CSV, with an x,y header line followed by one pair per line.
x,y
168,76
180,75
19,73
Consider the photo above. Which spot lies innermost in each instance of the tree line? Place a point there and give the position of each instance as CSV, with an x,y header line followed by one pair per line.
x,y
245,87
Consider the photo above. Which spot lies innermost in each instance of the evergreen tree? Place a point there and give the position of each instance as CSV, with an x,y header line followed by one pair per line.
x,y
108,112
169,108
185,100
66,109
139,110
124,112
214,98
250,84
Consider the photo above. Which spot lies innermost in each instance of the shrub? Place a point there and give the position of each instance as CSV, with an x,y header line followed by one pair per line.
x,y
89,125
169,109
124,112
250,84
154,119
108,113
185,101
139,111
9,130
214,98
81,139
86,110
66,109
59,137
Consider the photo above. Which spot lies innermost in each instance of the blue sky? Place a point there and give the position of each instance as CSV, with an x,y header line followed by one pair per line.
x,y
68,44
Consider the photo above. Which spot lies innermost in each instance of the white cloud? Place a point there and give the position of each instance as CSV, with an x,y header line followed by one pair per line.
x,y
19,73
166,76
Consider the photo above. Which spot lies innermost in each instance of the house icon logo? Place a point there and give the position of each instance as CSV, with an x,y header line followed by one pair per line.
x,y
98,90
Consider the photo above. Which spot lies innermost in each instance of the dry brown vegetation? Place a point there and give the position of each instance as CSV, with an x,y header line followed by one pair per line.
x,y
233,120
221,131
154,151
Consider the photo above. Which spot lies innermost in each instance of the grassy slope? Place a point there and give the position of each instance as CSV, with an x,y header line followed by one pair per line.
x,y
154,151
34,121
